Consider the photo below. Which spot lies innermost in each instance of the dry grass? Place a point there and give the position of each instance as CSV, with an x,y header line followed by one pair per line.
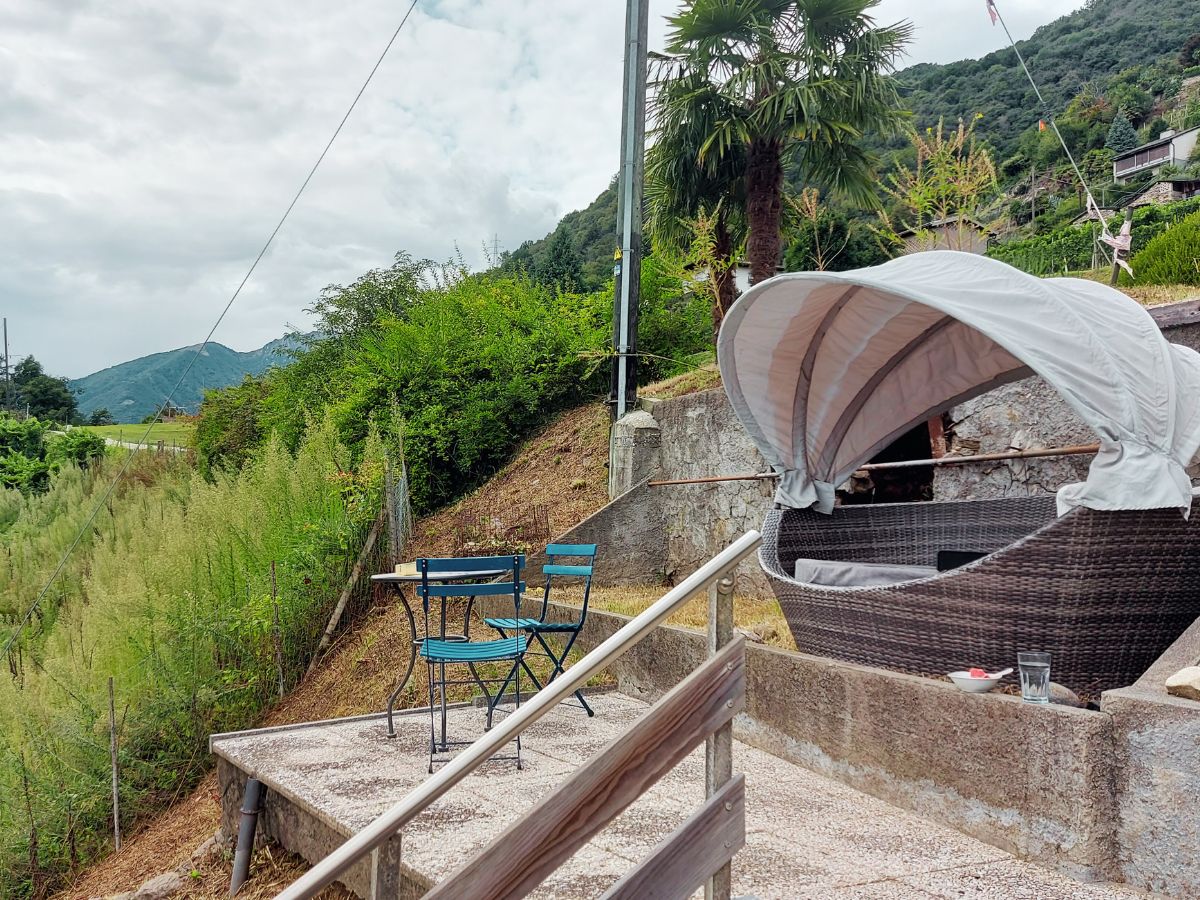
x,y
564,468
701,379
1145,294
762,618
164,844
1159,294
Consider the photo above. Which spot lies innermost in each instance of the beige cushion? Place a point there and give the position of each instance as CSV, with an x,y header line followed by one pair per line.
x,y
831,573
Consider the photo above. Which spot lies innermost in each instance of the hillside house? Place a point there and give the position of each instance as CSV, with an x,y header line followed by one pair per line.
x,y
951,233
1167,190
1171,148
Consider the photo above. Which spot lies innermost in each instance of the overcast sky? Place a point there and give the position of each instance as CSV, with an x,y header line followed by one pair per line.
x,y
148,148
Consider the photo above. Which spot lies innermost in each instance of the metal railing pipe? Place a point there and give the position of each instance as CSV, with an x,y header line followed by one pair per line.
x,y
407,809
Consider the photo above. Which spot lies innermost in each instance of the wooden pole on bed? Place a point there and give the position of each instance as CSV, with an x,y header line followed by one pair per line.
x,y
1079,450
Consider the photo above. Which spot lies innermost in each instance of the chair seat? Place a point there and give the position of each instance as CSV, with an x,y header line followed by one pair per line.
x,y
512,624
472,651
530,625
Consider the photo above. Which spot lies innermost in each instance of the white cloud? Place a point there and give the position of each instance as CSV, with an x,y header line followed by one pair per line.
x,y
147,150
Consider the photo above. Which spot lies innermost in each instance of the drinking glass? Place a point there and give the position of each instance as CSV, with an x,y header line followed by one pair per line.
x,y
1035,676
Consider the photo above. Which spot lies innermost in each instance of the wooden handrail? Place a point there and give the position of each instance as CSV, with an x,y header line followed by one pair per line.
x,y
420,798
700,846
548,834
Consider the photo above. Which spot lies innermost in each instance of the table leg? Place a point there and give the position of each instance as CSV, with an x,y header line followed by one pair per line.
x,y
412,658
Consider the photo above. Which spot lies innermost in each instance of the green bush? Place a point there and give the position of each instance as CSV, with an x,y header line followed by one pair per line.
x,y
1071,247
469,364
1173,257
76,446
170,593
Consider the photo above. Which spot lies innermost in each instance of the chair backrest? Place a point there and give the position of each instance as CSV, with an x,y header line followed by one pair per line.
x,y
584,556
434,569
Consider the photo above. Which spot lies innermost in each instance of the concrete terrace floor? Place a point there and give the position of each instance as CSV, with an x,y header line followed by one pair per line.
x,y
807,836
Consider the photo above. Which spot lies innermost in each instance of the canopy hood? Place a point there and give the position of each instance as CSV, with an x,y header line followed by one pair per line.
x,y
825,369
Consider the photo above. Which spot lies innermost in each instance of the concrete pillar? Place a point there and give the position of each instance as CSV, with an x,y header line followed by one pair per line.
x,y
633,451
387,880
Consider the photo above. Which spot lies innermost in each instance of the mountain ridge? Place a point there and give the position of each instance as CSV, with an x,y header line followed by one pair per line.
x,y
132,390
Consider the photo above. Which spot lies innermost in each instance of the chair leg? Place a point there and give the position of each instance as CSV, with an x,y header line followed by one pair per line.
x,y
432,734
558,660
521,661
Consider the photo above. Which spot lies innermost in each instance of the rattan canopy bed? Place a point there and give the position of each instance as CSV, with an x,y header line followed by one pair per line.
x,y
824,370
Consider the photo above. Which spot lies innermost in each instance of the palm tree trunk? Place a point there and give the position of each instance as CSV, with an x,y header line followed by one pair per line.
x,y
764,208
723,266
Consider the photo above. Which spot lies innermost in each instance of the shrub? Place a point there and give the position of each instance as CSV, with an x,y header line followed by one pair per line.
x,y
467,366
1173,257
170,593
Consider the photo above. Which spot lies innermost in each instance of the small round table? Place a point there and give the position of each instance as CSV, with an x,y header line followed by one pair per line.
x,y
397,583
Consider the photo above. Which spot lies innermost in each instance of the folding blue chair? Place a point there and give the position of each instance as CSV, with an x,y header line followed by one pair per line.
x,y
447,578
539,627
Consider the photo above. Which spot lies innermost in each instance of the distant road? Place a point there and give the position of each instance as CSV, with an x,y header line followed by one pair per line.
x,y
131,445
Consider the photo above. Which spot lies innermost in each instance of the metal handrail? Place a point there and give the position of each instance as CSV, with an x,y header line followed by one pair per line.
x,y
421,797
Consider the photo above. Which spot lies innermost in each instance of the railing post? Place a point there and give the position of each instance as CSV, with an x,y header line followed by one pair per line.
x,y
718,749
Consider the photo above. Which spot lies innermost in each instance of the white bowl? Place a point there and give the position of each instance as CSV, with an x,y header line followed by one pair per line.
x,y
965,682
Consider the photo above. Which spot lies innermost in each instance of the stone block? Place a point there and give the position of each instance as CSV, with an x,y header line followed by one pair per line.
x,y
633,456
1185,683
1157,780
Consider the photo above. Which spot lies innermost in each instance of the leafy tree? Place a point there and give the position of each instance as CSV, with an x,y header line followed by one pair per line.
x,y
695,201
1121,134
793,83
823,239
1189,53
50,398
379,294
228,431
100,416
953,179
560,266
26,370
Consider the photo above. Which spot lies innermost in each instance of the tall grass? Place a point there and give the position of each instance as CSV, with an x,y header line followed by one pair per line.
x,y
172,597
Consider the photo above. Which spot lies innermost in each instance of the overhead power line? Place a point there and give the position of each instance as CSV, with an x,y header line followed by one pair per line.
x,y
95,511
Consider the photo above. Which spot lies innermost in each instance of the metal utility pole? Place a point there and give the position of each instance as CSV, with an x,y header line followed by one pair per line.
x,y
7,381
623,394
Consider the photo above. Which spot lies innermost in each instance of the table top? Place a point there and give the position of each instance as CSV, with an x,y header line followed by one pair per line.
x,y
392,577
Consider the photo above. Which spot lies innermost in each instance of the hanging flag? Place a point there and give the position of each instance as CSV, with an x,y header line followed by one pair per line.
x,y
992,13
1041,124
1123,241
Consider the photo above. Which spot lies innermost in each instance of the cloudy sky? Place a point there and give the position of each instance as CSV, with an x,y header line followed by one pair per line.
x,y
148,148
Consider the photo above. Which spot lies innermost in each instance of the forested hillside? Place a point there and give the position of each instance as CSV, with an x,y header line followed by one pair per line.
x,y
1094,43
579,251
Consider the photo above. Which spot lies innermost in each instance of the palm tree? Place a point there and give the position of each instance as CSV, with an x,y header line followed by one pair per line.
x,y
786,83
682,188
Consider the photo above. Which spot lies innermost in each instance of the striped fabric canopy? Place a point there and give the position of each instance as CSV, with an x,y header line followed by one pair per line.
x,y
825,369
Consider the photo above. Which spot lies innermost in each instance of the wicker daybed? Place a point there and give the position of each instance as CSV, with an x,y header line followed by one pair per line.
x,y
826,369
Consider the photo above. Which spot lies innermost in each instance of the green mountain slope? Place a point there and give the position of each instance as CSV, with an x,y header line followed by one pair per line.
x,y
133,390
1091,44
591,235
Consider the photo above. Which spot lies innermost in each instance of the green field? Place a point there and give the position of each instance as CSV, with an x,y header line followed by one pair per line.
x,y
177,433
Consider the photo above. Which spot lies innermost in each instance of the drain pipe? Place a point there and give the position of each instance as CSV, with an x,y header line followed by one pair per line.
x,y
246,828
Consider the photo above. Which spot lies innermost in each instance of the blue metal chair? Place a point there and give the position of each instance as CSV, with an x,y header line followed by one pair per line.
x,y
540,627
448,578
